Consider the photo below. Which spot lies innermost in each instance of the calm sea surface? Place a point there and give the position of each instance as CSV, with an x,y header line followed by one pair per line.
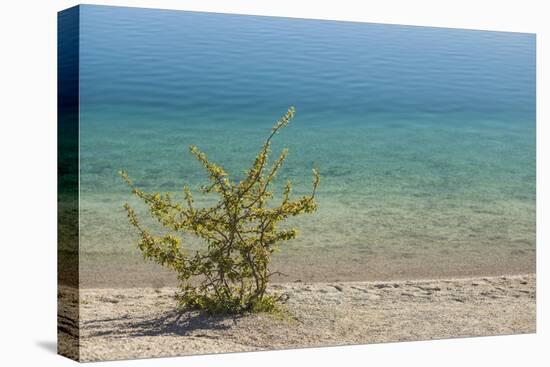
x,y
424,137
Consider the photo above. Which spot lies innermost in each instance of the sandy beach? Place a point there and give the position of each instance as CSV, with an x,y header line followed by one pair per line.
x,y
126,323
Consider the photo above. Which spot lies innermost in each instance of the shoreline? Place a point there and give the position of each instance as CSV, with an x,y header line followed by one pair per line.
x,y
314,265
119,323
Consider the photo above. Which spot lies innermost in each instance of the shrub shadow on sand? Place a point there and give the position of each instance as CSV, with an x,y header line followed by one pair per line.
x,y
168,323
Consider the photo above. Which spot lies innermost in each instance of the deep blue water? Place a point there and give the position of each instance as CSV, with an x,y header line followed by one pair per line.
x,y
424,137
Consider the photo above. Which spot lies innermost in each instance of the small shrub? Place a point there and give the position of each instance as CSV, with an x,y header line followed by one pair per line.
x,y
241,232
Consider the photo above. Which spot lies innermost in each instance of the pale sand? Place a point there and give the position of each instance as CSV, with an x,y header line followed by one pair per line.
x,y
142,322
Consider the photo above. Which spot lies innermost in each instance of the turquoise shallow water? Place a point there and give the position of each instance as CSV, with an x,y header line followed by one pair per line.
x,y
424,137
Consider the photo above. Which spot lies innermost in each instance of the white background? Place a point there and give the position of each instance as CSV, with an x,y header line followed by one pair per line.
x,y
28,181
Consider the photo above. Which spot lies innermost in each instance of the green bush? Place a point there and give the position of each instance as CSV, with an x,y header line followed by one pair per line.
x,y
241,232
